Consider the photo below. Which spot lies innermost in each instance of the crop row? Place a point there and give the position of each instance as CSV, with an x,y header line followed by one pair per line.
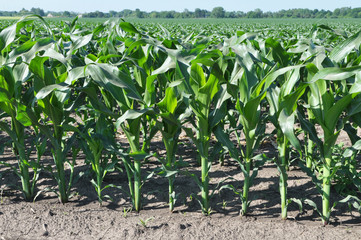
x,y
85,85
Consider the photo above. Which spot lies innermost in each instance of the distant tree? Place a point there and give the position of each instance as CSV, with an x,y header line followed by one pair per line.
x,y
66,14
138,13
355,12
257,13
126,13
344,11
218,12
267,14
167,14
198,13
240,14
37,11
231,14
186,13
96,14
99,14
154,14
112,13
24,11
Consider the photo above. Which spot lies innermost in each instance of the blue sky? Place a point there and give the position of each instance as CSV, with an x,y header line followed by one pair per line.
x,y
178,5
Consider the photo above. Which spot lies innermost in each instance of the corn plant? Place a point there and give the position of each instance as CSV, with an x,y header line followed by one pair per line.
x,y
16,98
250,81
12,102
282,112
54,102
329,112
204,91
122,92
97,133
246,117
172,113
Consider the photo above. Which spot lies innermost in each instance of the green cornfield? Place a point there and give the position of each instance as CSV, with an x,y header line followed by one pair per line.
x,y
106,90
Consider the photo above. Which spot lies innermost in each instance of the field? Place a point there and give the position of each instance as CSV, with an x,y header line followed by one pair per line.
x,y
180,129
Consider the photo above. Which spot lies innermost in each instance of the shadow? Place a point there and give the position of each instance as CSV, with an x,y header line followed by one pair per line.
x,y
161,226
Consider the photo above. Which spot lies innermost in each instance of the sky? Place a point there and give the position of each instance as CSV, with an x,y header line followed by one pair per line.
x,y
177,5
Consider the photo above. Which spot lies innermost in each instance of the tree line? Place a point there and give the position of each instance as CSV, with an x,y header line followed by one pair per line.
x,y
217,12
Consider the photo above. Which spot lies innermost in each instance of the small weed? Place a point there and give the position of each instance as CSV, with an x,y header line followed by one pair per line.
x,y
224,204
126,211
144,222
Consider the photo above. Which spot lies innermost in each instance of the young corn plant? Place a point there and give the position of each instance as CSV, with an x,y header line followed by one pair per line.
x,y
17,95
282,112
252,75
172,114
246,117
128,90
204,91
119,92
198,78
282,97
97,133
53,105
330,113
12,102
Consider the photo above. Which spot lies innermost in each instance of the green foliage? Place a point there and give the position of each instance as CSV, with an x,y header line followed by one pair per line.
x,y
81,85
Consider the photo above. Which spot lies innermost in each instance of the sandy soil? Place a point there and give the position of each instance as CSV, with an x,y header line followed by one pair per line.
x,y
83,218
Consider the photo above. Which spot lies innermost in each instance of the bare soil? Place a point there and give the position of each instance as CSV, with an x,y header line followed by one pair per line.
x,y
84,218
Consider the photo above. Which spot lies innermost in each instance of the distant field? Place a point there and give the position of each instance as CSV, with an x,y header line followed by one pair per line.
x,y
8,18
228,21
210,20
222,26
243,20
